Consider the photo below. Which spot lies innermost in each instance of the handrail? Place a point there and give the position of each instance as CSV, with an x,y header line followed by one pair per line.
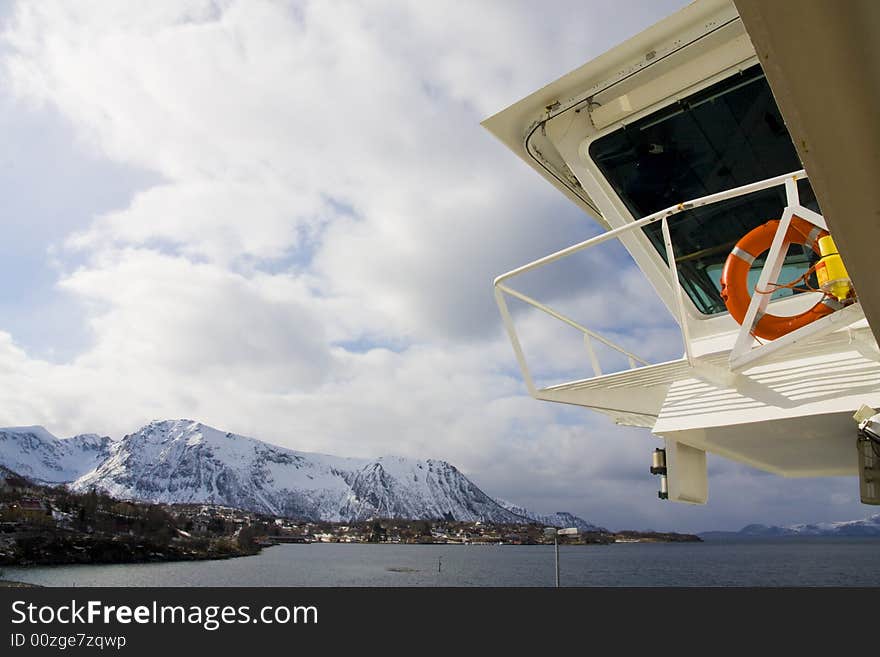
x,y
651,218
501,289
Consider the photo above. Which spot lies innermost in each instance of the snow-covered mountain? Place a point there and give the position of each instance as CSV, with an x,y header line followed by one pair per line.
x,y
866,527
182,461
558,519
36,454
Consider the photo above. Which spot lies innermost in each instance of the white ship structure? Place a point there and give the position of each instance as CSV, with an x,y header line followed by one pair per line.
x,y
675,142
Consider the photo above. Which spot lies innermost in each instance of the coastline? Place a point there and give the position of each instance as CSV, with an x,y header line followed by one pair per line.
x,y
11,584
58,550
111,550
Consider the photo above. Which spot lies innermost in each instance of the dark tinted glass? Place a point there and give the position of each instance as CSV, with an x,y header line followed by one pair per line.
x,y
727,135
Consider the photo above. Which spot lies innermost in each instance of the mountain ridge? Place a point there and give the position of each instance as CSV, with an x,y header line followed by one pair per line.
x,y
869,526
184,461
56,460
556,519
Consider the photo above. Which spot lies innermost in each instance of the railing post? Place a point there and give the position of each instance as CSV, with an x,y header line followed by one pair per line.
x,y
676,290
792,197
761,298
514,340
597,370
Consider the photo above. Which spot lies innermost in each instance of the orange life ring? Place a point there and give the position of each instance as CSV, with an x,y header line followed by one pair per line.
x,y
734,277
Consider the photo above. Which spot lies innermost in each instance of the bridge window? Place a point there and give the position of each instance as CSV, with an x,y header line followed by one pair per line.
x,y
727,135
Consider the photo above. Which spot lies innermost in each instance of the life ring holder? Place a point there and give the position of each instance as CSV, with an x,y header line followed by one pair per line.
x,y
734,277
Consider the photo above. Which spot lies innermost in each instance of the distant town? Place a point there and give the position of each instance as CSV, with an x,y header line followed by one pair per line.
x,y
200,519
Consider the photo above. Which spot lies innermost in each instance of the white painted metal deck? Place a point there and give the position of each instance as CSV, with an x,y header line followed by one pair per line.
x,y
673,396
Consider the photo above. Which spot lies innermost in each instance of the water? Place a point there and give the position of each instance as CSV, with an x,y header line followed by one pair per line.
x,y
770,562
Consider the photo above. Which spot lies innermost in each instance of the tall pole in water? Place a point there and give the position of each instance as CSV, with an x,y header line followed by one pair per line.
x,y
556,545
556,533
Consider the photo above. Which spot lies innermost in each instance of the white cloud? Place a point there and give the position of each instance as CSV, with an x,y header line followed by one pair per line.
x,y
203,219
184,318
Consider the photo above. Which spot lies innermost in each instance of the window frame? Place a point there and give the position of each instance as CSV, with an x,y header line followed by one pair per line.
x,y
647,247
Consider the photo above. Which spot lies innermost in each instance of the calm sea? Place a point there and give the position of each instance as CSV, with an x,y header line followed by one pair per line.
x,y
770,562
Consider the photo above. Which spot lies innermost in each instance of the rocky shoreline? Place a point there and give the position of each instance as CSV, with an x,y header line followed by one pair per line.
x,y
42,549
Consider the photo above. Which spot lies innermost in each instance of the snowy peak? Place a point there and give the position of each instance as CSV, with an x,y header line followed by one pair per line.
x,y
33,452
404,488
559,519
34,432
869,526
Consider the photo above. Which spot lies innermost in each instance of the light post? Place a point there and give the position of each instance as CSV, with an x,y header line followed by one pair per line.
x,y
556,533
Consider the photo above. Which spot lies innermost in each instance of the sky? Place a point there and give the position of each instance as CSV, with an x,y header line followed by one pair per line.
x,y
284,219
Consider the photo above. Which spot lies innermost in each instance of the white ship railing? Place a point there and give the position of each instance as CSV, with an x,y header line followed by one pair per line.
x,y
743,353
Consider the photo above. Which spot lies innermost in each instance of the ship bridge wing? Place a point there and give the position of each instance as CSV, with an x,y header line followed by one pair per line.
x,y
674,142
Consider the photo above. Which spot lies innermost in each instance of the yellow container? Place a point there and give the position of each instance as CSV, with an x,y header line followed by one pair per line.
x,y
830,271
